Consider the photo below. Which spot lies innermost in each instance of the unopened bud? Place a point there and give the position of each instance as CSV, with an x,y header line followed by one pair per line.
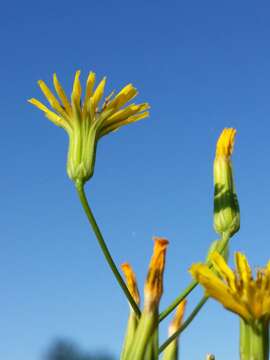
x,y
226,207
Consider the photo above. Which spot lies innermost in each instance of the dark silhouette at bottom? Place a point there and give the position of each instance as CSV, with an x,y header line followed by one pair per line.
x,y
67,350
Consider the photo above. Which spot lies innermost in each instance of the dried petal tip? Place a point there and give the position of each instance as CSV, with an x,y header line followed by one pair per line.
x,y
225,142
131,281
178,318
154,283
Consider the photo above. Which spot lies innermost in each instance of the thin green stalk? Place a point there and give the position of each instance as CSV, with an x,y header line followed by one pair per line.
x,y
103,246
177,301
185,324
223,243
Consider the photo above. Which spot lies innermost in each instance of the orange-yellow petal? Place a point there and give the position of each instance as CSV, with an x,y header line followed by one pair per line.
x,y
178,317
131,281
153,288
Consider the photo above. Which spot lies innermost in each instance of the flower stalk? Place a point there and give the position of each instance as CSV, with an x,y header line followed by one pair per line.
x,y
185,324
104,248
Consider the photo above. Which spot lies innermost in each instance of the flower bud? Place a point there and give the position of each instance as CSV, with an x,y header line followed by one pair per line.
x,y
226,207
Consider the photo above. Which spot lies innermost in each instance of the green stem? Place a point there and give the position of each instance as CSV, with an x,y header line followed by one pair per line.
x,y
177,301
223,243
185,324
104,248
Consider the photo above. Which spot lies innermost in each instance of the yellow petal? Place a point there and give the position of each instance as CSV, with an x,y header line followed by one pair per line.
x,y
125,113
125,95
51,98
49,114
90,83
116,125
77,90
98,93
218,290
225,142
223,269
243,267
62,95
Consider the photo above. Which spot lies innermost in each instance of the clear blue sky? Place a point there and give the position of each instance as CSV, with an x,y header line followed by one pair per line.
x,y
202,65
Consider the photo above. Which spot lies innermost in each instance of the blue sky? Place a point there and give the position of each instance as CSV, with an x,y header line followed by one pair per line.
x,y
202,66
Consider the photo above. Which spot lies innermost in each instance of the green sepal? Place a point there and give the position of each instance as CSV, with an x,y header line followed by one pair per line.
x,y
226,206
130,333
254,340
147,325
171,351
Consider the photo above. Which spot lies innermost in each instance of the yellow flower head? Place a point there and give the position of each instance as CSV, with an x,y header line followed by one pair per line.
x,y
153,288
225,142
131,281
87,120
226,207
178,318
237,290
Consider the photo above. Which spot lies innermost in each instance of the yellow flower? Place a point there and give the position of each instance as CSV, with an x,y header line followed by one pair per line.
x,y
226,208
153,288
237,290
87,120
131,281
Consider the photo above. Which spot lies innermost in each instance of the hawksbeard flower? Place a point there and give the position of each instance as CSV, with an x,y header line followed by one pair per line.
x,y
243,294
237,290
226,208
87,120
